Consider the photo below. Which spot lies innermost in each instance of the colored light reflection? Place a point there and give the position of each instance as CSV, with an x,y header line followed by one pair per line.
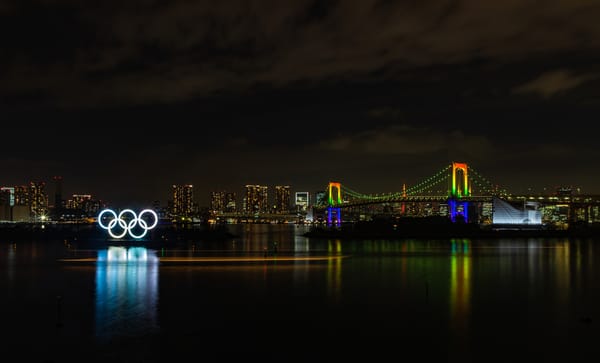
x,y
334,271
126,255
460,282
126,292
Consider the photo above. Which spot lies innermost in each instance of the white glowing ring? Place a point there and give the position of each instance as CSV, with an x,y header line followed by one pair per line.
x,y
127,227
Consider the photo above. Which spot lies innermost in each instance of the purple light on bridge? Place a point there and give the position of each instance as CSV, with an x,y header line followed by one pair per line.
x,y
458,209
338,216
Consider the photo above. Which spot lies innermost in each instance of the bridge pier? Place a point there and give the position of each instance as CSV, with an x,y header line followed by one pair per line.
x,y
458,209
334,216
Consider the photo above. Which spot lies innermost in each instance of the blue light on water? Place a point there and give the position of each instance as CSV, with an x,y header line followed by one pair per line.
x,y
126,292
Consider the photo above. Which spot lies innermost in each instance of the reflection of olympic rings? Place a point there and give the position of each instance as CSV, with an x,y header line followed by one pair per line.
x,y
127,225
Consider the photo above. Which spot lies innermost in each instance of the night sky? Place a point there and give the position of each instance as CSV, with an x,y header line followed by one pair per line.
x,y
125,98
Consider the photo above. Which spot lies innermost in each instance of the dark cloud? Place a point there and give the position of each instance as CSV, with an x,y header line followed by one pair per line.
x,y
224,93
141,52
408,140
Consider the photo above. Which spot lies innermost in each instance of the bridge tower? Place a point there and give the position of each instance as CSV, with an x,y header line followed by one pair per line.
x,y
334,199
459,188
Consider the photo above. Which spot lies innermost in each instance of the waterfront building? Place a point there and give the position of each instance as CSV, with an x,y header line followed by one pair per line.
x,y
58,201
217,202
5,203
505,213
302,201
38,199
77,201
320,198
24,203
256,200
282,199
230,205
487,212
182,206
79,206
21,195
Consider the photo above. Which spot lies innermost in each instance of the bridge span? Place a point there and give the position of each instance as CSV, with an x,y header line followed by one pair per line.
x,y
457,190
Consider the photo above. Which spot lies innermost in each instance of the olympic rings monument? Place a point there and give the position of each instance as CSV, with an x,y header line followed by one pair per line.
x,y
127,222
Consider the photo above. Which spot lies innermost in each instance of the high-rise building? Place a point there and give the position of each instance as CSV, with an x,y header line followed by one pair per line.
x,y
162,211
320,198
80,206
222,201
78,201
282,199
217,202
22,195
21,208
6,195
38,201
230,206
58,202
256,200
302,201
11,194
183,196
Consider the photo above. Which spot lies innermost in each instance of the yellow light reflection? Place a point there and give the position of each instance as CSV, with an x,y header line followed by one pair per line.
x,y
334,272
460,284
563,270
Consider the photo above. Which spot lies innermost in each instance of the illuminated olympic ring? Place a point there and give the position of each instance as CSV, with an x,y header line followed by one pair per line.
x,y
124,225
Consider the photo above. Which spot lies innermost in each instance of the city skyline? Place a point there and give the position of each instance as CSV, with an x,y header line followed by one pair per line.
x,y
124,100
203,198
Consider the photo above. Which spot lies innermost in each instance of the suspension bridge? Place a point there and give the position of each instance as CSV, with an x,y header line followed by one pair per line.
x,y
457,187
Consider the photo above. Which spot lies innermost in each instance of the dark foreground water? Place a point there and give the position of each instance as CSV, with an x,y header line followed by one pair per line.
x,y
309,300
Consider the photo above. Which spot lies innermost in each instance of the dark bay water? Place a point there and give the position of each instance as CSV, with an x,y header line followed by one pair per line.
x,y
309,300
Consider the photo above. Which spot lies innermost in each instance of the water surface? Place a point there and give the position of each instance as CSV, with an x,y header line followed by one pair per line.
x,y
260,296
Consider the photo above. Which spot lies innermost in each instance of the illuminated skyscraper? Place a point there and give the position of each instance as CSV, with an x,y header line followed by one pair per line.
x,y
22,195
38,201
78,201
21,211
217,202
230,205
183,196
222,202
282,199
256,200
